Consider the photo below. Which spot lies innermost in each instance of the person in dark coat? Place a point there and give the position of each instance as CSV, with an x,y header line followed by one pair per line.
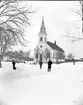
x,y
13,63
49,65
40,63
73,61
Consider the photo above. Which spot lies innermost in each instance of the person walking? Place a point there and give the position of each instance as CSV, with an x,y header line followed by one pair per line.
x,y
73,61
40,63
49,65
13,63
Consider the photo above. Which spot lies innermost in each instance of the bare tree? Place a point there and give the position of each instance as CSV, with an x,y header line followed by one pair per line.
x,y
70,56
28,54
80,12
37,53
13,18
6,43
20,55
77,37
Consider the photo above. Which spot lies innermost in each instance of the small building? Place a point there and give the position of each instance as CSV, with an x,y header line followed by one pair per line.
x,y
45,49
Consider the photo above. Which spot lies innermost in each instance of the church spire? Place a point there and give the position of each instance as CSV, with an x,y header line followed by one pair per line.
x,y
42,29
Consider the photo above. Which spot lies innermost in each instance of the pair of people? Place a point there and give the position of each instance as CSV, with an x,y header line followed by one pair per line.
x,y
49,64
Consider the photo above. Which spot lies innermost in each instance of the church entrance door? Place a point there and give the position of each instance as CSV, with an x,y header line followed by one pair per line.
x,y
40,56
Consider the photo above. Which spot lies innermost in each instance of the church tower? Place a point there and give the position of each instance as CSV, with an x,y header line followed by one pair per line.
x,y
42,37
42,34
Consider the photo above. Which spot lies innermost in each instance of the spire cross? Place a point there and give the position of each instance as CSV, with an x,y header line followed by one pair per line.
x,y
42,17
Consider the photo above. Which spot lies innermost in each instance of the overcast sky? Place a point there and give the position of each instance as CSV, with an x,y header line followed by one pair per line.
x,y
58,19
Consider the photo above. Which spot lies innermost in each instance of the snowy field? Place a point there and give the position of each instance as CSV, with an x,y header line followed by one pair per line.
x,y
30,85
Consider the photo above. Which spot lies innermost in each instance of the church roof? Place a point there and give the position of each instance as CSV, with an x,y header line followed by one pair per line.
x,y
54,46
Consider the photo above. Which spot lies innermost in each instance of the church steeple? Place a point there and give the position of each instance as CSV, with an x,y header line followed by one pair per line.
x,y
42,34
42,29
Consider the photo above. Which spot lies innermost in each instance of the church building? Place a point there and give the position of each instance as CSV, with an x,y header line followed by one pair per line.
x,y
45,49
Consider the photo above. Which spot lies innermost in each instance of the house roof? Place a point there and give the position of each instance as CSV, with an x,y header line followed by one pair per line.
x,y
54,46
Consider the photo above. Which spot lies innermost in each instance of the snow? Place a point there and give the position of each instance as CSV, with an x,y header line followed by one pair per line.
x,y
30,85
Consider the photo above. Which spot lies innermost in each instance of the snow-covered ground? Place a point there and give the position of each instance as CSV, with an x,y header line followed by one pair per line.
x,y
30,85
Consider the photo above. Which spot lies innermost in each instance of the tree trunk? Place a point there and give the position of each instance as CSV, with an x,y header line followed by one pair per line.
x,y
82,18
0,61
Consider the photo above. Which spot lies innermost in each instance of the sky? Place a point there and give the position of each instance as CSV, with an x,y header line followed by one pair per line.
x,y
59,19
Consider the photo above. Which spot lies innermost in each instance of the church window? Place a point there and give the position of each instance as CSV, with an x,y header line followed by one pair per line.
x,y
48,55
41,39
36,55
41,46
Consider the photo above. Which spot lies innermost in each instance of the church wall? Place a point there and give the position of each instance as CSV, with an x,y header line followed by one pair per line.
x,y
53,58
53,53
44,46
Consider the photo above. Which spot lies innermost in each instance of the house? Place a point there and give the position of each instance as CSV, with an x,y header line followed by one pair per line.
x,y
45,49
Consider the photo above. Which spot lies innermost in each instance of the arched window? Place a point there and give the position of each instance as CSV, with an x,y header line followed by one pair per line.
x,y
41,39
36,55
47,53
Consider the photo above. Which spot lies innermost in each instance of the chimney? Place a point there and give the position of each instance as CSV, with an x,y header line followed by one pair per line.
x,y
54,42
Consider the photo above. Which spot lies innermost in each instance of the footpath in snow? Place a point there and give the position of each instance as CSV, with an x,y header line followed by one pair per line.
x,y
30,85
